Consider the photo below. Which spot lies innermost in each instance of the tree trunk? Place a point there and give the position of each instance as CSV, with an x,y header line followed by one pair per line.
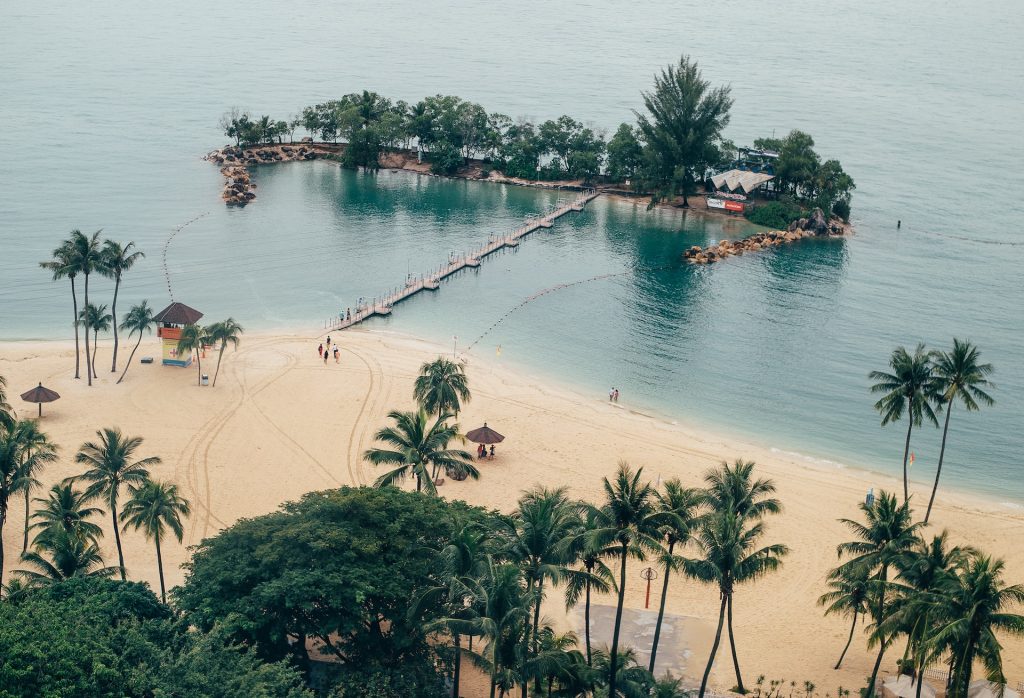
x,y
586,623
130,357
938,470
714,649
95,342
88,362
661,611
536,626
3,520
874,671
74,304
199,367
220,355
113,320
848,641
24,543
493,685
160,569
458,666
117,539
732,646
906,453
618,623
523,681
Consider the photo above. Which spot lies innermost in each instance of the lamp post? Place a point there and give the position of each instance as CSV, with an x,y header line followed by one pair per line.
x,y
538,172
455,344
648,573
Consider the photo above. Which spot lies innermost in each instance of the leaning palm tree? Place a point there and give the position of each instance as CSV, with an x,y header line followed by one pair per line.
x,y
682,505
908,390
441,386
117,259
37,451
975,612
194,338
886,536
138,320
849,597
591,575
16,458
224,333
63,265
111,467
420,449
97,319
959,377
69,556
87,258
728,557
628,523
67,509
156,507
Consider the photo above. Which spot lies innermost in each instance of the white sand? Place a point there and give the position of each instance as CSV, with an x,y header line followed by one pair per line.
x,y
281,423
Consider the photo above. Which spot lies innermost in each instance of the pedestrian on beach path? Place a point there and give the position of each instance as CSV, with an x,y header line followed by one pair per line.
x,y
336,354
320,351
327,355
328,340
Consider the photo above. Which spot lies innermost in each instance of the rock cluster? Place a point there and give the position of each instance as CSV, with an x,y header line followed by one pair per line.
x,y
238,187
814,226
817,225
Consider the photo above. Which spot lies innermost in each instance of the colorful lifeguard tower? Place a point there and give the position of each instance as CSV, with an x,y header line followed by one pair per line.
x,y
169,322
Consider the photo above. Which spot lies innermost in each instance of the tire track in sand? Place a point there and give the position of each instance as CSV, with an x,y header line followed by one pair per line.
x,y
380,384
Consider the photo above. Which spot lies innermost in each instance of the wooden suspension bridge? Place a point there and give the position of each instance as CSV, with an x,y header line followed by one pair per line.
x,y
382,305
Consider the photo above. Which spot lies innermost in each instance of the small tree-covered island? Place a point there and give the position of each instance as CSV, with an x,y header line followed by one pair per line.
x,y
676,149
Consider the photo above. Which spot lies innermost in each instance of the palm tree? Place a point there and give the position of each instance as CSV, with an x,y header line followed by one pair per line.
x,y
138,320
441,385
974,613
67,509
194,338
224,333
63,265
156,507
86,258
959,376
682,505
627,523
540,534
420,450
556,657
908,389
97,319
37,451
849,597
594,575
111,466
727,540
633,680
6,411
502,609
888,534
117,259
69,556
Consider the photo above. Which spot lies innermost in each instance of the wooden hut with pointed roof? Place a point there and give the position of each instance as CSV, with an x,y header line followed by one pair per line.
x,y
170,321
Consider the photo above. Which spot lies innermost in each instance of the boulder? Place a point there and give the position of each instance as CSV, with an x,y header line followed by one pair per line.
x,y
816,223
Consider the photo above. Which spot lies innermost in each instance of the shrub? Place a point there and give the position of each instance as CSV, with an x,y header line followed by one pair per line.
x,y
841,208
777,214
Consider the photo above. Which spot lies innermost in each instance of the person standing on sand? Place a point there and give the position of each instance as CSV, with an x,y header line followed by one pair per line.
x,y
327,354
336,354
320,351
492,452
328,340
616,399
348,315
611,394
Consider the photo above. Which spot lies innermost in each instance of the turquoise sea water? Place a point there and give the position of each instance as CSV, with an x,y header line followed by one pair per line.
x,y
106,111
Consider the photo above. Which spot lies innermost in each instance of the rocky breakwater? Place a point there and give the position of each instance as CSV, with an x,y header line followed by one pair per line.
x,y
813,226
239,188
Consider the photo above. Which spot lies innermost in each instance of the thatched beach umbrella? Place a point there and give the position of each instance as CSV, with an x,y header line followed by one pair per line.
x,y
905,687
484,435
40,394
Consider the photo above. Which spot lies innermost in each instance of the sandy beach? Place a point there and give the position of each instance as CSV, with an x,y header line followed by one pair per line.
x,y
280,423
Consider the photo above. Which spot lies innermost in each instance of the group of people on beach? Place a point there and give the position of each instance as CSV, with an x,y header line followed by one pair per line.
x,y
324,352
481,452
613,395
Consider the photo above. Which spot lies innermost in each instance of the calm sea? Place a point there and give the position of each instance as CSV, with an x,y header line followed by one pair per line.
x,y
106,109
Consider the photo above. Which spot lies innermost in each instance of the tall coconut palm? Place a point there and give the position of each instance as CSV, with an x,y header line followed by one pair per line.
x,y
441,385
595,575
87,259
97,319
420,449
976,611
848,597
908,390
138,320
37,451
69,556
222,334
502,609
628,523
67,509
156,507
194,338
17,457
682,505
729,557
64,266
959,377
540,533
117,259
887,534
111,466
